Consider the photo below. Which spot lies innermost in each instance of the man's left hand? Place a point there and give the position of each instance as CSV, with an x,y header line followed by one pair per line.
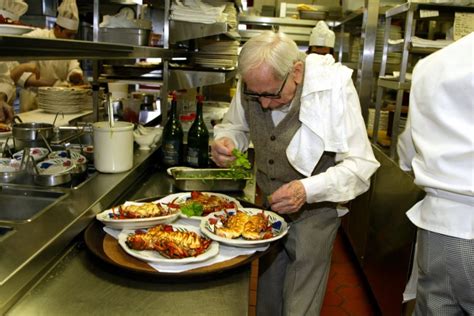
x,y
75,78
288,198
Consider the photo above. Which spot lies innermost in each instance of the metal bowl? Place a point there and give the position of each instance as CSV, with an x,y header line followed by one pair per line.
x,y
30,131
51,180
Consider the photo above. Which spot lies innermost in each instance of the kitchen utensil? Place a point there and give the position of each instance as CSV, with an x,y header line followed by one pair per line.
x,y
206,180
113,146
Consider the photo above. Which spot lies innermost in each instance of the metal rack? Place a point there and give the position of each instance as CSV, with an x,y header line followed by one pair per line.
x,y
412,14
303,27
365,66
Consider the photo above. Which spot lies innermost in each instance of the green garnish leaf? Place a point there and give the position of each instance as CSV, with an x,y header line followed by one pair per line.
x,y
192,209
240,167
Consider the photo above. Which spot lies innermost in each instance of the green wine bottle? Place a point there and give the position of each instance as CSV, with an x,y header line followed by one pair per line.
x,y
172,144
198,139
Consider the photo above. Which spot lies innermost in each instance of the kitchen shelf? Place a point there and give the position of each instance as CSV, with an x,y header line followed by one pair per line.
x,y
394,84
428,6
297,29
411,12
39,48
269,21
182,31
187,79
422,50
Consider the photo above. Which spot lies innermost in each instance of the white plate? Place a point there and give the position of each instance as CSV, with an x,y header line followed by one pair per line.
x,y
133,223
9,165
5,134
280,229
154,256
11,29
55,166
75,156
179,198
37,153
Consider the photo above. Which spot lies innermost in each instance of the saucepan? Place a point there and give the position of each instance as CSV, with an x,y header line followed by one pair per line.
x,y
53,172
28,132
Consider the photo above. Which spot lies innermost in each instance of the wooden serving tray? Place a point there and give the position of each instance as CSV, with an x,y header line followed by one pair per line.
x,y
107,248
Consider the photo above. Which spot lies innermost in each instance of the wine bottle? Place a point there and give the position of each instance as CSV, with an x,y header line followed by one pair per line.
x,y
198,139
172,144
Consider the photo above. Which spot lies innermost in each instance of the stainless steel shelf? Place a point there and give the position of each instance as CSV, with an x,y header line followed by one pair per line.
x,y
186,79
429,6
247,34
353,15
422,50
394,84
26,48
262,20
182,31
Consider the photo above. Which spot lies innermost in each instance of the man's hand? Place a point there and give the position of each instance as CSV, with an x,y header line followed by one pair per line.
x,y
221,151
75,78
18,71
288,198
6,111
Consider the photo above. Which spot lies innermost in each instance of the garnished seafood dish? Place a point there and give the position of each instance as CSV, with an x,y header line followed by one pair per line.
x,y
200,203
168,244
135,215
142,210
244,227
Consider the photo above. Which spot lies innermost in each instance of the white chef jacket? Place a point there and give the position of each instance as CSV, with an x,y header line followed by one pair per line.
x,y
438,141
343,182
7,85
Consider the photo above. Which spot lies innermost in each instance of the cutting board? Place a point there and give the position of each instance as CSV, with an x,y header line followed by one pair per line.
x,y
40,116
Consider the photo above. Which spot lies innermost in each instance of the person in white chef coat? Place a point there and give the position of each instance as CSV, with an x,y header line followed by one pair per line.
x,y
437,144
321,40
11,10
303,116
53,72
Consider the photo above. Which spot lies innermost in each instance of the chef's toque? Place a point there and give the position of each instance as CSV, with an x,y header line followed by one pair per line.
x,y
321,35
68,15
13,9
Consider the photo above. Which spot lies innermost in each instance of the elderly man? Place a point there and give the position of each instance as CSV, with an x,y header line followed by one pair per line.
x,y
311,149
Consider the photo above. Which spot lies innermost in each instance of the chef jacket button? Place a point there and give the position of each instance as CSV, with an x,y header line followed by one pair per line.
x,y
271,161
272,138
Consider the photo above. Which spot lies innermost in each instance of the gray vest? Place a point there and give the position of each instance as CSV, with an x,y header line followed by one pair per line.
x,y
270,142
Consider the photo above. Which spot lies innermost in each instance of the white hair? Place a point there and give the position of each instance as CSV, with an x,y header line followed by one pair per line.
x,y
276,50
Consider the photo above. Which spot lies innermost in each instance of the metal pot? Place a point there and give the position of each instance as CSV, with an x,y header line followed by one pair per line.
x,y
51,180
28,132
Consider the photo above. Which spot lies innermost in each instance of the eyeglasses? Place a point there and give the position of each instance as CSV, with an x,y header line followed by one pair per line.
x,y
277,95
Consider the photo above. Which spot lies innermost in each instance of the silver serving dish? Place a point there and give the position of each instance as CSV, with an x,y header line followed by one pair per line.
x,y
206,180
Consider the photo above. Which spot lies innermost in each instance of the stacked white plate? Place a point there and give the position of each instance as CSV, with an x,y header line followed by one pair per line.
x,y
395,34
62,99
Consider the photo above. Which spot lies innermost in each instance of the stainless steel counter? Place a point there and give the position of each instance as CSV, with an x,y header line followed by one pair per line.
x,y
72,281
81,284
33,245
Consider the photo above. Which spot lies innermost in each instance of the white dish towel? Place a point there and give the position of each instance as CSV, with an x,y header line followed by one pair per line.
x,y
321,113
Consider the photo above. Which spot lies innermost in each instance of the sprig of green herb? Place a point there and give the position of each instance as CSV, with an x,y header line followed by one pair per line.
x,y
240,167
192,209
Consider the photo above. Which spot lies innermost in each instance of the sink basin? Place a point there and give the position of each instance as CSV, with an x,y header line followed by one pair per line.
x,y
19,205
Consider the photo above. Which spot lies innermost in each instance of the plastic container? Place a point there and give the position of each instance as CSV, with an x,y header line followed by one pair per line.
x,y
113,147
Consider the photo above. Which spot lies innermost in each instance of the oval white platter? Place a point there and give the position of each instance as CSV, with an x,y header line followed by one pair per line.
x,y
106,217
154,256
278,223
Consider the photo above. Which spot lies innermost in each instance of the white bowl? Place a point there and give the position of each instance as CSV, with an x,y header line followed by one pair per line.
x,y
144,141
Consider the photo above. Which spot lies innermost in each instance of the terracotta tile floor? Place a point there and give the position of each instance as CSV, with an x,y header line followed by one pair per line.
x,y
346,292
